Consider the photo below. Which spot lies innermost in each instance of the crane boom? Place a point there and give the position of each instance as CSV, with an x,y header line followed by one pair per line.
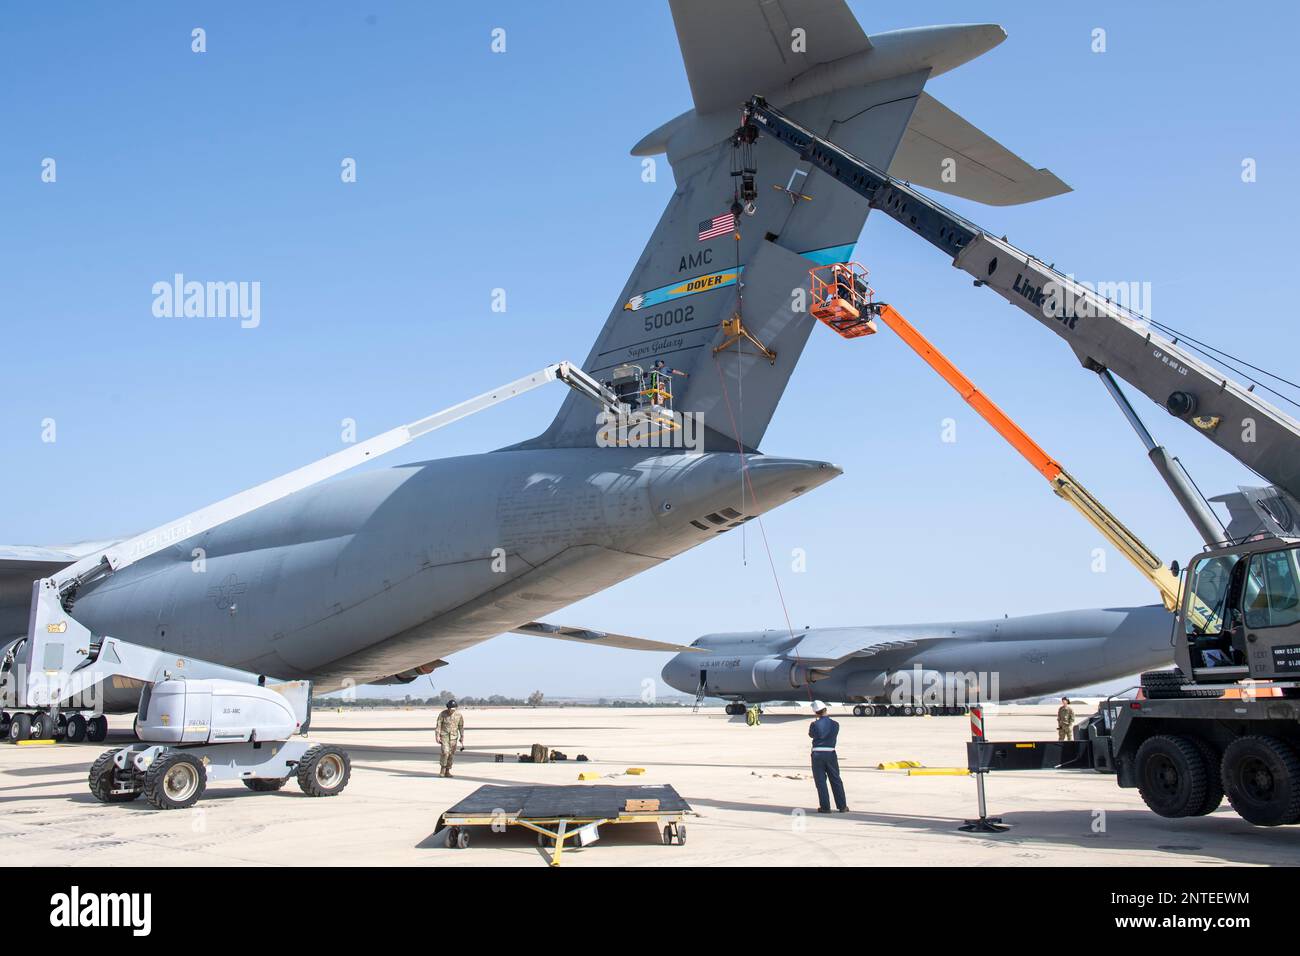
x,y
1063,484
1101,334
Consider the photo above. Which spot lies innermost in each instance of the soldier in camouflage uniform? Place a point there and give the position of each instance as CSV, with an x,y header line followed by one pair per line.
x,y
1065,721
450,733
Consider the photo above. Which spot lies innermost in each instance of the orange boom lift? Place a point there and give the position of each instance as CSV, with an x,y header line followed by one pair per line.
x,y
842,300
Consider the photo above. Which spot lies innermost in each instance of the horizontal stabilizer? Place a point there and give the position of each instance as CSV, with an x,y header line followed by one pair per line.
x,y
735,48
600,638
942,151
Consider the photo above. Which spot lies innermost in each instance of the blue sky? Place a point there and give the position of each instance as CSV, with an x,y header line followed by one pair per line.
x,y
479,170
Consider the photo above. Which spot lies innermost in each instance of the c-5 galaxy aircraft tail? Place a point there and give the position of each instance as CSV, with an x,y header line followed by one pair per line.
x,y
381,575
708,261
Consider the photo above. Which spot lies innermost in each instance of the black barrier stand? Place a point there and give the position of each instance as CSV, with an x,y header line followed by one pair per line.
x,y
985,823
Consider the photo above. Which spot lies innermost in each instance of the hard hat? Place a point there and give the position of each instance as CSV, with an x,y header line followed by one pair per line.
x,y
818,706
451,704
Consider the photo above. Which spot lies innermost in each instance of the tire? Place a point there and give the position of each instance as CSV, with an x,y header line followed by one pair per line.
x,y
462,838
1213,777
1261,776
1169,684
858,711
176,781
324,771
681,834
76,732
668,835
97,729
1171,775
892,710
5,720
265,784
100,779
42,727
20,728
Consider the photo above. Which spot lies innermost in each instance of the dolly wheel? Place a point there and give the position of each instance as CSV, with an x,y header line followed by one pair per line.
x,y
265,784
97,729
462,838
100,779
76,732
175,781
681,834
324,771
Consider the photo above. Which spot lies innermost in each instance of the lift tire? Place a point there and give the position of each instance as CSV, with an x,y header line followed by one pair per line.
x,y
20,728
1213,777
324,771
97,729
76,732
176,781
100,779
1261,776
265,784
1172,776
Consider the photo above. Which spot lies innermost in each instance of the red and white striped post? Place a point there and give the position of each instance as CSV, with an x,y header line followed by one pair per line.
x,y
984,824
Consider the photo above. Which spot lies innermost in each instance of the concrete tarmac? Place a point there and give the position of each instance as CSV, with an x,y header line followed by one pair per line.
x,y
750,787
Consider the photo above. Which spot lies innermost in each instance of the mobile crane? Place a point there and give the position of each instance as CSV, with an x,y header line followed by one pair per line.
x,y
1227,718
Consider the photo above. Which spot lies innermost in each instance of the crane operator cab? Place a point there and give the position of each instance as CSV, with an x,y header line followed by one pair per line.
x,y
1240,616
842,300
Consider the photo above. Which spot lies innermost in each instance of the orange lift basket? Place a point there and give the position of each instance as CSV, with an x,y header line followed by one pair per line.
x,y
842,300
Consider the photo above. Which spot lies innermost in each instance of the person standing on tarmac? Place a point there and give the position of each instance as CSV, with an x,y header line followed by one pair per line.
x,y
450,733
1065,721
825,763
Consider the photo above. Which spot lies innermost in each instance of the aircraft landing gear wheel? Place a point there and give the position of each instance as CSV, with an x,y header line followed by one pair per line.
x,y
20,728
5,719
324,771
1171,775
858,711
1262,778
42,727
175,781
97,729
100,780
76,730
265,784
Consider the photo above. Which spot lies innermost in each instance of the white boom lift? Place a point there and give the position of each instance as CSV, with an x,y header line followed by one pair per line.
x,y
198,720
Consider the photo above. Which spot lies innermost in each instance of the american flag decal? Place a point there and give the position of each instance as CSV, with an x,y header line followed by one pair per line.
x,y
717,226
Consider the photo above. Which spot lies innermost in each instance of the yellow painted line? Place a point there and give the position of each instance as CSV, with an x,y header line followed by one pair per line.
x,y
940,772
35,743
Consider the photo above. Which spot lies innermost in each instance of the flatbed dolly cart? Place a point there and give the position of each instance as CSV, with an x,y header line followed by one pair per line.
x,y
567,815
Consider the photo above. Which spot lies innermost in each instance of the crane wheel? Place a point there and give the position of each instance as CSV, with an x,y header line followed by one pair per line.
x,y
1172,776
265,784
175,781
1262,778
324,771
1213,777
100,779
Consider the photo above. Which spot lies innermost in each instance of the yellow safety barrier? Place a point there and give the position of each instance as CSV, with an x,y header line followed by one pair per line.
x,y
899,765
939,772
